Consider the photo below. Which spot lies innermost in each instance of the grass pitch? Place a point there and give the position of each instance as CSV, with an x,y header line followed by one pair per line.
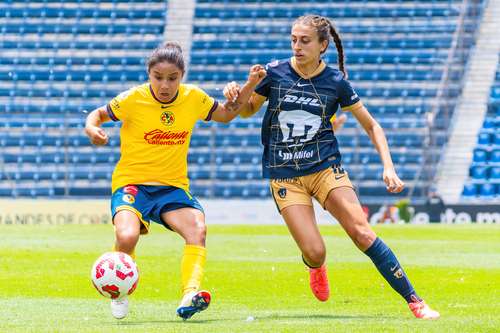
x,y
257,280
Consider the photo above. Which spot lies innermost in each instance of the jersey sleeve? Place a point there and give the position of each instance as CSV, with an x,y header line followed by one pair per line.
x,y
206,104
264,87
348,98
118,106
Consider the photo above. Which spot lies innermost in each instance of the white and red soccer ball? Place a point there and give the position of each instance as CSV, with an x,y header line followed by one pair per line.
x,y
115,275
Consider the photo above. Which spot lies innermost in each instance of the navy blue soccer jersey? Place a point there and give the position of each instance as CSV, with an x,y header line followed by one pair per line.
x,y
296,129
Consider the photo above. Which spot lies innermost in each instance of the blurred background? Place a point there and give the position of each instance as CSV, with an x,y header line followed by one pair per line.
x,y
427,70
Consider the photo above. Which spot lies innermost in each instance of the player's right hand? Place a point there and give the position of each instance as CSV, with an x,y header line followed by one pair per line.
x,y
96,135
257,74
231,91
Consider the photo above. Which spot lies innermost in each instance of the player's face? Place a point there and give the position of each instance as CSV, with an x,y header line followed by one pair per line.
x,y
305,43
165,79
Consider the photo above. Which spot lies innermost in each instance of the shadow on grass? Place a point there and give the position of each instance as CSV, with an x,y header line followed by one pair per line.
x,y
258,318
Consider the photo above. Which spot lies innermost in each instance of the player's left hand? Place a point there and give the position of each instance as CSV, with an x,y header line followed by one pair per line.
x,y
392,181
231,91
339,122
257,73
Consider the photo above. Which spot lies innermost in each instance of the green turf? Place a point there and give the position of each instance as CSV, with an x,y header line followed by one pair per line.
x,y
252,271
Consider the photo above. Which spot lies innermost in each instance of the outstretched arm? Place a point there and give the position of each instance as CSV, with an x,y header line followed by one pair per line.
x,y
93,126
377,136
250,105
234,105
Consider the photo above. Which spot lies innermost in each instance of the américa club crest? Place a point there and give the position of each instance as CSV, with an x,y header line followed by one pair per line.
x,y
167,118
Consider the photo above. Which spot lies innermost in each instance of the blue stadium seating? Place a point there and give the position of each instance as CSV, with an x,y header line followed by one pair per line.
x,y
51,12
54,77
485,167
45,95
355,29
80,29
487,191
230,35
292,12
269,44
470,191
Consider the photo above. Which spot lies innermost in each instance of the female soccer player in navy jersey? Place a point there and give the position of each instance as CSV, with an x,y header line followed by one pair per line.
x,y
150,182
302,159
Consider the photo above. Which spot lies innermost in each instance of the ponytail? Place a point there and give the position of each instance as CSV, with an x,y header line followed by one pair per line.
x,y
339,47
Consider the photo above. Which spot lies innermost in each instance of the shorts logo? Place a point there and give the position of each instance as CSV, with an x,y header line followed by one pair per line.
x,y
167,118
131,189
282,193
128,198
337,177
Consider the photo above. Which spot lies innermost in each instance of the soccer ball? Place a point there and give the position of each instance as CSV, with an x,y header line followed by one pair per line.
x,y
115,275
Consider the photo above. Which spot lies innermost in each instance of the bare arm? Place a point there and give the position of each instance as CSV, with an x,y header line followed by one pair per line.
x,y
250,105
93,126
236,103
377,136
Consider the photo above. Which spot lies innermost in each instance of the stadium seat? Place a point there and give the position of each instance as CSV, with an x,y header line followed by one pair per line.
x,y
496,138
483,138
479,156
470,191
495,174
487,190
479,172
495,156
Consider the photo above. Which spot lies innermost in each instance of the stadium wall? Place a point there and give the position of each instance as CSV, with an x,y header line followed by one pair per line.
x,y
60,212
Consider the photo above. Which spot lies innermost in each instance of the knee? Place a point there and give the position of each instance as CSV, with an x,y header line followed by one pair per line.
x,y
315,255
127,237
363,236
198,233
201,231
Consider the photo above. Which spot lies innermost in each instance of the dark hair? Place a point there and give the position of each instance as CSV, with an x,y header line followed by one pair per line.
x,y
170,52
325,29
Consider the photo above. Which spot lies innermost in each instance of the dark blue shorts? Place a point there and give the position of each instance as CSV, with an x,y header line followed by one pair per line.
x,y
148,202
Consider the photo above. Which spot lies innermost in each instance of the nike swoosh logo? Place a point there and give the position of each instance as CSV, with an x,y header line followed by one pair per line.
x,y
165,106
394,268
303,85
339,177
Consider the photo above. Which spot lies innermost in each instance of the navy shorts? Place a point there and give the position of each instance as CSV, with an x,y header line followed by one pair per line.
x,y
148,202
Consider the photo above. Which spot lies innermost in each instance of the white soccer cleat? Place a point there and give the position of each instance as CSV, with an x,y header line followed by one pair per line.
x,y
119,308
192,303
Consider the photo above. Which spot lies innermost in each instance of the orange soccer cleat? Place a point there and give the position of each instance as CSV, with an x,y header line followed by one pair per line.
x,y
318,280
422,310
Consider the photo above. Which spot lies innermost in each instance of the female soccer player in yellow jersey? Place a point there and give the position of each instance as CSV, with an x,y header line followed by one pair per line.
x,y
302,159
150,180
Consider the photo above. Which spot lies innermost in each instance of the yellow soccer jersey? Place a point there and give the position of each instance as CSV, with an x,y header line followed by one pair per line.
x,y
155,136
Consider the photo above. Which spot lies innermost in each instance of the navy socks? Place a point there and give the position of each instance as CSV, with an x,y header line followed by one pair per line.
x,y
388,265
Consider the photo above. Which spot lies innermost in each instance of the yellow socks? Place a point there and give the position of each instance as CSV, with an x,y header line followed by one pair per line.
x,y
192,267
131,254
